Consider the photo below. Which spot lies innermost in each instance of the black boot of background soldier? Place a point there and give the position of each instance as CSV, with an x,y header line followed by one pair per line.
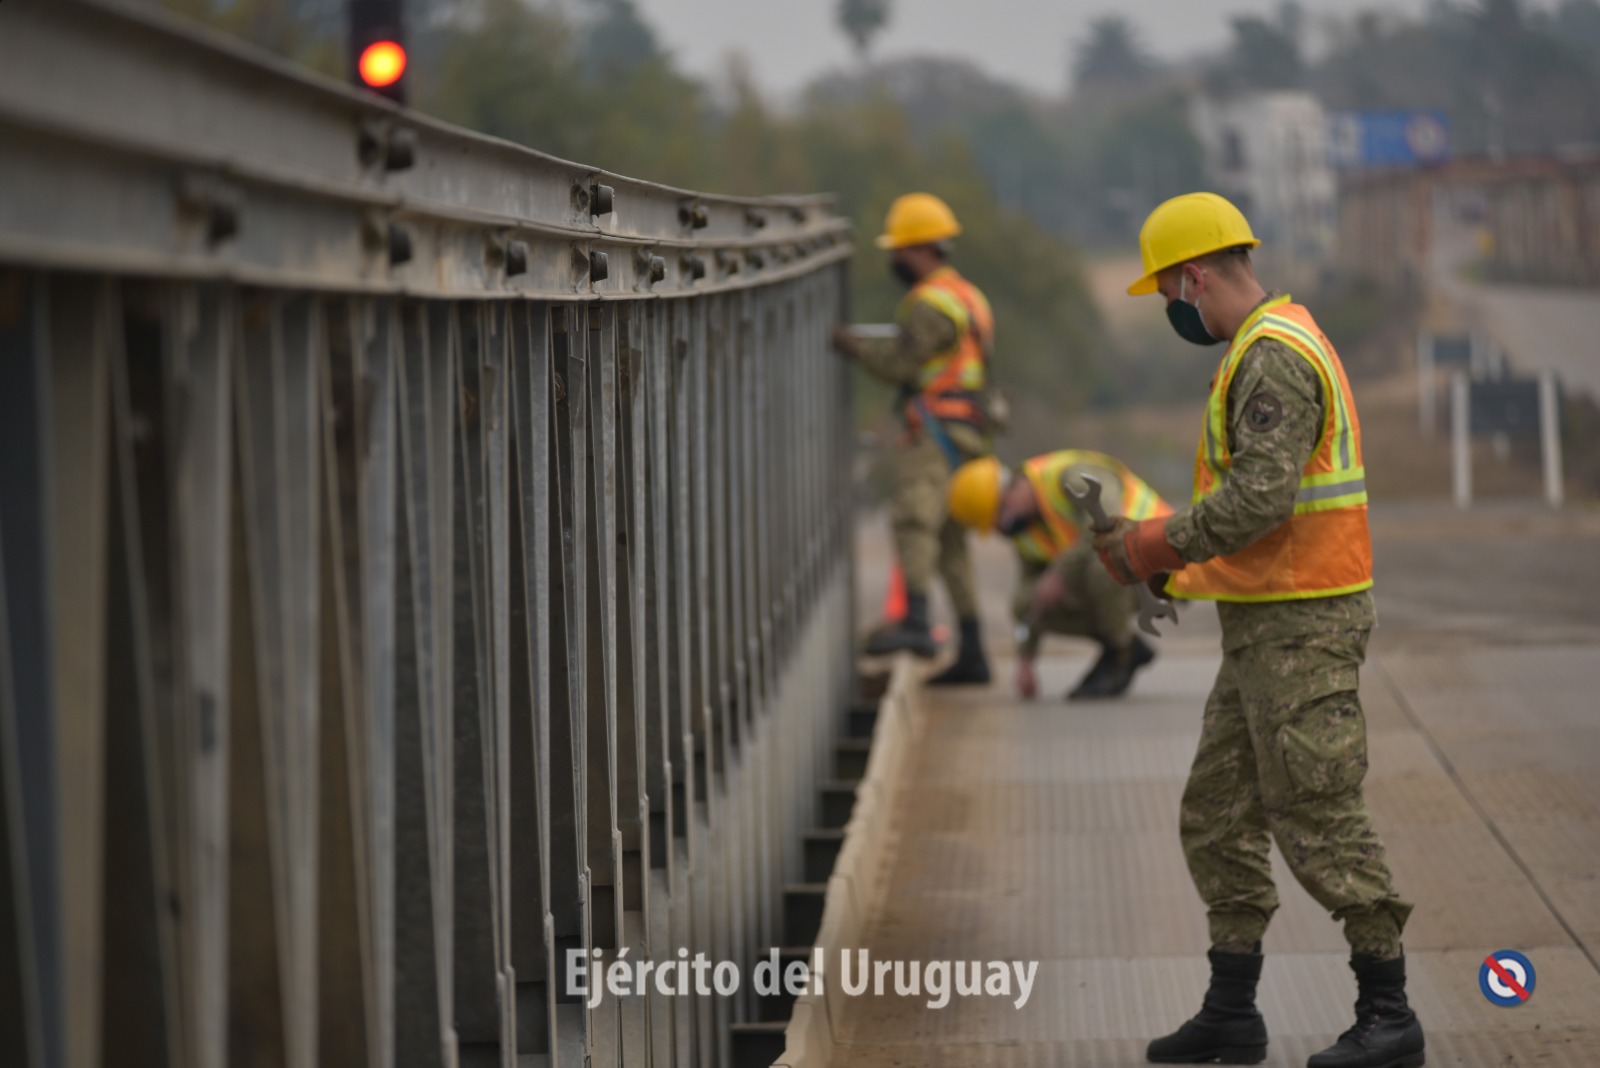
x,y
1113,673
1228,1029
1387,1034
910,634
971,667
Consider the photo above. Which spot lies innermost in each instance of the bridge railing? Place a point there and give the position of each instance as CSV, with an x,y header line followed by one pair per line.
x,y
419,558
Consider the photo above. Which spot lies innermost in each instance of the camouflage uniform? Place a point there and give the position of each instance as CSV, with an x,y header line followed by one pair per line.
x,y
1283,747
925,537
1096,605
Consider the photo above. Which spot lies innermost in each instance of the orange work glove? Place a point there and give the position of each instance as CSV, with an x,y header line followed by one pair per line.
x,y
1133,552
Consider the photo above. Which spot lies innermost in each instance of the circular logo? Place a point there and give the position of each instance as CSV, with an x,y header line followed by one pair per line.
x,y
1506,978
1427,137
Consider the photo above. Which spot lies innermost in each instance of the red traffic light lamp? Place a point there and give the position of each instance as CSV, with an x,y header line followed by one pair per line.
x,y
381,64
377,50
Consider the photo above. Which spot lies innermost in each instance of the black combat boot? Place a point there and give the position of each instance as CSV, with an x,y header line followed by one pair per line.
x,y
971,667
1228,1029
1387,1034
1112,674
910,634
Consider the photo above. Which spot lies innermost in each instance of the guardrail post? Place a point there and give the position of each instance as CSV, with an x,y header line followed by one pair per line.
x,y
1550,437
1460,440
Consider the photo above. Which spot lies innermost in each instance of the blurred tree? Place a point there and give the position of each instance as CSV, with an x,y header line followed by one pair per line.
x,y
1145,154
1292,21
1500,17
310,32
616,39
1263,56
1009,134
756,152
861,21
1111,55
512,73
1578,21
1511,77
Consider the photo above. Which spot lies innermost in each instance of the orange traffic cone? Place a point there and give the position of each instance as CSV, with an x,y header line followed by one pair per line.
x,y
894,604
894,599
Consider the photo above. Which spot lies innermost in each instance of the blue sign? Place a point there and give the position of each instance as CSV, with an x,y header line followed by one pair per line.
x,y
1388,138
1506,978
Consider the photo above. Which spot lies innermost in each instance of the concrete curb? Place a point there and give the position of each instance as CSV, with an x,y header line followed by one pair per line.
x,y
813,1034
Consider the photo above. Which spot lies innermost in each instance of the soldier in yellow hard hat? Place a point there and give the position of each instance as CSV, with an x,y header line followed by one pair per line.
x,y
939,358
1061,589
1277,535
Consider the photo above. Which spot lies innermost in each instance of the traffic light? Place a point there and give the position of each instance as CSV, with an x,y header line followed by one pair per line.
x,y
378,48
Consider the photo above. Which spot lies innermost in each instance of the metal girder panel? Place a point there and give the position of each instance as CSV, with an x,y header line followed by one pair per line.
x,y
685,709
531,915
200,366
569,901
473,709
427,639
603,840
28,722
277,432
632,798
600,710
79,396
747,612
347,975
721,801
377,328
157,1019
425,675
631,554
497,726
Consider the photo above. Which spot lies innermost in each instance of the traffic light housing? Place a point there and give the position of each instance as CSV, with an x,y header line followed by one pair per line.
x,y
377,56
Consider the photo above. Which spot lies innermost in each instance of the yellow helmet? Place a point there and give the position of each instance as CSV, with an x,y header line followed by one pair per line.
x,y
974,495
1186,228
917,219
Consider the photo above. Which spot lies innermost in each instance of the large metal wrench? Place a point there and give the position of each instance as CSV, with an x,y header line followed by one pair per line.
x,y
1151,606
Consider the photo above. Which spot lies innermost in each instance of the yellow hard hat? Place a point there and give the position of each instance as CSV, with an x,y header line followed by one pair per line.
x,y
1186,228
974,495
917,219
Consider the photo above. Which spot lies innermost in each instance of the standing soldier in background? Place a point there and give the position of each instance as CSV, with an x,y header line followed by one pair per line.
x,y
939,358
1277,535
1060,589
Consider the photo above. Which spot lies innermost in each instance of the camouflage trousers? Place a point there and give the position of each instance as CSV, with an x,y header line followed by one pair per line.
x,y
1095,604
925,537
1283,752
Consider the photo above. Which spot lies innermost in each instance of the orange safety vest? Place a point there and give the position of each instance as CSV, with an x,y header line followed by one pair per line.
x,y
1324,548
950,385
1059,524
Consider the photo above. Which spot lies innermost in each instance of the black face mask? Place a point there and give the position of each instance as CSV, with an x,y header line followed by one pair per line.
x,y
1185,319
904,273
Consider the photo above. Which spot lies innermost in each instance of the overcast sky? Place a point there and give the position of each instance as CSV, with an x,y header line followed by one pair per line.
x,y
788,42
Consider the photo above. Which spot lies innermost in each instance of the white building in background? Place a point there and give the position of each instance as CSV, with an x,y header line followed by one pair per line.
x,y
1268,153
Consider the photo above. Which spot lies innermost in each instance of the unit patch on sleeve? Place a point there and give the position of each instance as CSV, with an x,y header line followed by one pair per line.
x,y
1263,411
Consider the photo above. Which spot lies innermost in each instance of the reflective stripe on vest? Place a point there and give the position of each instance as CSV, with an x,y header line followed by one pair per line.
x,y
1324,548
950,383
1059,525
